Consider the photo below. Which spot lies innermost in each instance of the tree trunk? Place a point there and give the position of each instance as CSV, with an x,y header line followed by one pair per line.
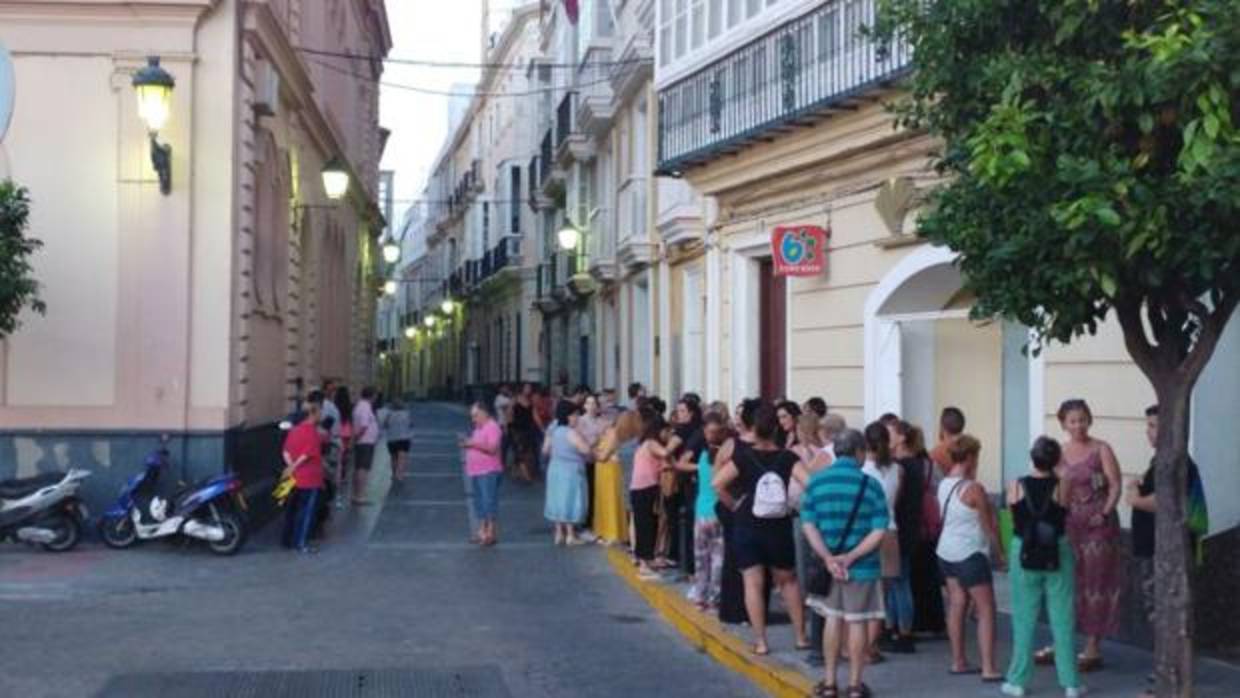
x,y
1173,615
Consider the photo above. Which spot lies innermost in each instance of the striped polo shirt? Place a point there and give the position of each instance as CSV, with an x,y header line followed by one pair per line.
x,y
828,501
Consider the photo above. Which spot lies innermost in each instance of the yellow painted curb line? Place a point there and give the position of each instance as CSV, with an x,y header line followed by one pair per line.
x,y
708,635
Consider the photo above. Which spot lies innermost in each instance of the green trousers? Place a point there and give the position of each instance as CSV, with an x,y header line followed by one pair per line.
x,y
1029,587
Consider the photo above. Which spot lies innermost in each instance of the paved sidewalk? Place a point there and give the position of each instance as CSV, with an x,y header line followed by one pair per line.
x,y
786,673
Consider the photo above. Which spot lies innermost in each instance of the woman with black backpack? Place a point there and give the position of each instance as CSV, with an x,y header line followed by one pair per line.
x,y
1042,565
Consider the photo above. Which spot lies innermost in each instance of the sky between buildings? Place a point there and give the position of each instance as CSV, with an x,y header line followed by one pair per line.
x,y
436,30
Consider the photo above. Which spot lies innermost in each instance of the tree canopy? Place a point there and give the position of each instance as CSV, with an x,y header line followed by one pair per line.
x,y
18,288
1094,156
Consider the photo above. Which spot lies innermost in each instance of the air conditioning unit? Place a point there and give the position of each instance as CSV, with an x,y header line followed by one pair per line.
x,y
266,88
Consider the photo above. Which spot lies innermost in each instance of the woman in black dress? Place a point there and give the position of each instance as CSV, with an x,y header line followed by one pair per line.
x,y
762,535
524,430
918,536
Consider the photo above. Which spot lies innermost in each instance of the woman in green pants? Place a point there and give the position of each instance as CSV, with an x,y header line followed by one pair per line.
x,y
1042,565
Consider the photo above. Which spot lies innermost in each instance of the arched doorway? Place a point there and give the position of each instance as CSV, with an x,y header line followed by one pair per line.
x,y
922,353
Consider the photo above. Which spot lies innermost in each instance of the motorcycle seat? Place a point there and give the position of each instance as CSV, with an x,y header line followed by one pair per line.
x,y
21,487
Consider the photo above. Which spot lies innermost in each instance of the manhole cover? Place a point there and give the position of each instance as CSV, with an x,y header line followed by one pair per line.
x,y
464,682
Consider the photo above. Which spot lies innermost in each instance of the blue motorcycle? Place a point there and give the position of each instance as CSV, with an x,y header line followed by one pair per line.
x,y
210,511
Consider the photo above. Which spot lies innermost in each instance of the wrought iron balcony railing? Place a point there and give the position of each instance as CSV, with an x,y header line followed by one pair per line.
x,y
789,75
544,157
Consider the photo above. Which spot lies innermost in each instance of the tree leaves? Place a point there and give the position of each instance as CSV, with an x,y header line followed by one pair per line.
x,y
18,289
1092,148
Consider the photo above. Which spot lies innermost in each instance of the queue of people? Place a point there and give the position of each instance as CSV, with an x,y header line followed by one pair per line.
x,y
885,541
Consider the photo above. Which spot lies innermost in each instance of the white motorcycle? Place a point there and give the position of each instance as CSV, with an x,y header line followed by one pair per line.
x,y
43,510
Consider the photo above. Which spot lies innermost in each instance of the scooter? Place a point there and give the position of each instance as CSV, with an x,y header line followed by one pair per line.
x,y
43,510
209,511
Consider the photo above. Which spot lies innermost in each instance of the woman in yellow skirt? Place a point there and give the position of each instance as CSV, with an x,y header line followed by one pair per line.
x,y
610,486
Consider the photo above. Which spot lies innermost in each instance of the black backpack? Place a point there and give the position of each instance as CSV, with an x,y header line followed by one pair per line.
x,y
1039,549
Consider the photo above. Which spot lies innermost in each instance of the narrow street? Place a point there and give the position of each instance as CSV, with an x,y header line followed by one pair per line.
x,y
396,604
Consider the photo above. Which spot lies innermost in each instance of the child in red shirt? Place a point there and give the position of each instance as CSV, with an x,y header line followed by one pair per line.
x,y
303,461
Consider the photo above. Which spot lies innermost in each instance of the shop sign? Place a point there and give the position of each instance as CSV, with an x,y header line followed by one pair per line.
x,y
799,250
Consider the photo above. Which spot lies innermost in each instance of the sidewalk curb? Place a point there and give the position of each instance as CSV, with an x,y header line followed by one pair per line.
x,y
708,635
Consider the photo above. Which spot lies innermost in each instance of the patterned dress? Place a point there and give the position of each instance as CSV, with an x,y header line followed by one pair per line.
x,y
1099,568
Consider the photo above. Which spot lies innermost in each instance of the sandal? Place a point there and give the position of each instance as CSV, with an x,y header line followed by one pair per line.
x,y
859,691
1044,656
1088,664
804,645
822,690
761,651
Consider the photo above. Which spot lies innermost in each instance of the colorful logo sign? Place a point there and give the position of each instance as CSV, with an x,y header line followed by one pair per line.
x,y
799,250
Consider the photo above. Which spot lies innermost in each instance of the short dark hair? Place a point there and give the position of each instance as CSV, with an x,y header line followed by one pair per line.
x,y
1067,407
878,442
818,406
652,424
657,404
368,393
635,389
315,397
748,409
951,421
889,418
692,398
1151,411
1045,454
790,407
765,423
565,409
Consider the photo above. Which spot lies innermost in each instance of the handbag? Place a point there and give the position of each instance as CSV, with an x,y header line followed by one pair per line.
x,y
931,516
889,555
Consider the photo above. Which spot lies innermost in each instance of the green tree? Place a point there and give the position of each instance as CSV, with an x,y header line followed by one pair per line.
x,y
1094,162
18,289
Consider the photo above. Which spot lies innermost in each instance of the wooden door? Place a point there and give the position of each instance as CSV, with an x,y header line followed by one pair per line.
x,y
772,324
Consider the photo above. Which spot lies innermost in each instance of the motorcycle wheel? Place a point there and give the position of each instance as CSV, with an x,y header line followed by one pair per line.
x,y
68,533
118,533
234,534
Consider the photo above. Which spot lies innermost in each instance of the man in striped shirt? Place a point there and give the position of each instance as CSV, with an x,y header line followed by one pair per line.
x,y
844,516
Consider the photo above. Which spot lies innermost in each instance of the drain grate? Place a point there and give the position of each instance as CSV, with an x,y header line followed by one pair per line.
x,y
462,682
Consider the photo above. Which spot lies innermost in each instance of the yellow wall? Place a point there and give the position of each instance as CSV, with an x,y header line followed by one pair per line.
x,y
968,375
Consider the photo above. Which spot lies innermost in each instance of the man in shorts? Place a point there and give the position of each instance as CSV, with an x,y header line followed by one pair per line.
x,y
844,515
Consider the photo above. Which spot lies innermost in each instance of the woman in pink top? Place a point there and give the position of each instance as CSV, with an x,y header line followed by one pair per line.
x,y
651,459
483,466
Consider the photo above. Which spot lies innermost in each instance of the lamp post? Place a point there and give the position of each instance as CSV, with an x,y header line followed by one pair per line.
x,y
153,86
391,251
568,237
335,179
448,306
389,288
411,332
429,321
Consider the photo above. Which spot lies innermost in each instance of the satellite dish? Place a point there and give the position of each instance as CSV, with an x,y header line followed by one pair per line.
x,y
8,89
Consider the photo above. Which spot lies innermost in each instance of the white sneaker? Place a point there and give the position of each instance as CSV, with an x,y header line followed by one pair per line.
x,y
1011,689
1075,692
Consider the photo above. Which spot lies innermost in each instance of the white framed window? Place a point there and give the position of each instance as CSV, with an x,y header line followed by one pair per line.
x,y
697,32
714,19
681,28
752,7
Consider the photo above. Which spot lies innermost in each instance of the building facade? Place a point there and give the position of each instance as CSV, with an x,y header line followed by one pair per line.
x,y
201,312
467,319
775,113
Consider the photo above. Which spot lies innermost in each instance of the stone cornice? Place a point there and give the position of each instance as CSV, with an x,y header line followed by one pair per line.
x,y
263,30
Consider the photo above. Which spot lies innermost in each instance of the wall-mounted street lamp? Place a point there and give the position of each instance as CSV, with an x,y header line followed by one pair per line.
x,y
447,306
391,251
335,179
568,237
429,321
389,288
153,86
411,332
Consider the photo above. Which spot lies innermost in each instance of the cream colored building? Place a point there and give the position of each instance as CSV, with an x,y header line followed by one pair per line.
x,y
777,118
474,286
200,312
